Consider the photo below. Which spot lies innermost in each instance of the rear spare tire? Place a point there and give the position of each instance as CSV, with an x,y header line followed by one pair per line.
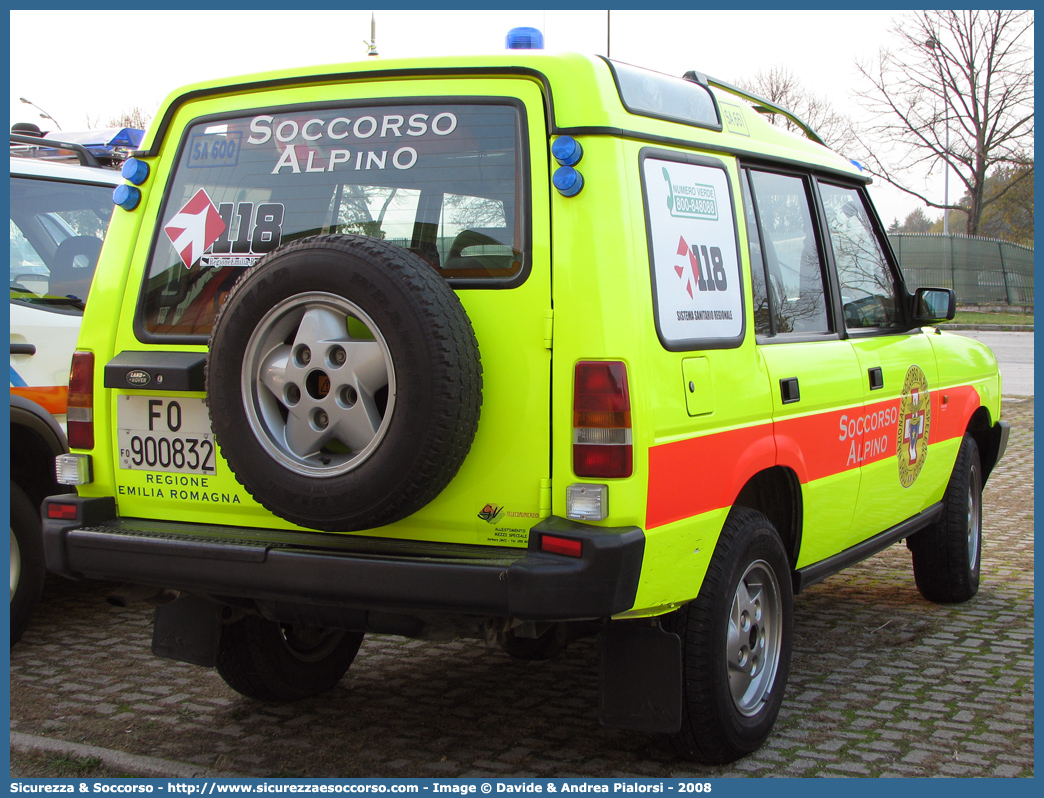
x,y
343,382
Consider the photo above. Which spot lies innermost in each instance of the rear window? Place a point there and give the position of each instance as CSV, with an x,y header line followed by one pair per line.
x,y
441,180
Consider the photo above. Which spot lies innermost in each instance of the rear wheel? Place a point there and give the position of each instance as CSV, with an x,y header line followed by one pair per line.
x,y
270,661
27,561
947,555
736,643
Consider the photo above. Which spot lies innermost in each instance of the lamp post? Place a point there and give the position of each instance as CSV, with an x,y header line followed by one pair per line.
x,y
933,44
43,113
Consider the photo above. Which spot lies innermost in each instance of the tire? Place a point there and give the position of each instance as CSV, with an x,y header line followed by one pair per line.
x,y
737,637
27,562
343,383
947,555
268,661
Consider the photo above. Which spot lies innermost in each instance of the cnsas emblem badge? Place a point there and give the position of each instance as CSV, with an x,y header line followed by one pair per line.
x,y
915,417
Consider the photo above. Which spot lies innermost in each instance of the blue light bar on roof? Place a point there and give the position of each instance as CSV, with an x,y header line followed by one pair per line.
x,y
101,142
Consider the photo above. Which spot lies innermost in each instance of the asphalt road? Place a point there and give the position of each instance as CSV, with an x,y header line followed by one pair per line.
x,y
883,683
1014,351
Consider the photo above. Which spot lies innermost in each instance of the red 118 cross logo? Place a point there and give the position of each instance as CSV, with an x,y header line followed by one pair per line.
x,y
708,275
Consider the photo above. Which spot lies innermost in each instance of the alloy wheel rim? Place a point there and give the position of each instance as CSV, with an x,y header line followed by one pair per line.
x,y
974,520
754,638
318,384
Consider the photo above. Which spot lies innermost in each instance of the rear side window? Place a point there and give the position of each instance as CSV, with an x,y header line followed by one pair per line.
x,y
441,180
693,251
659,96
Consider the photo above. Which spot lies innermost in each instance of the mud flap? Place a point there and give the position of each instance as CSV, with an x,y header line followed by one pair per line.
x,y
187,630
641,677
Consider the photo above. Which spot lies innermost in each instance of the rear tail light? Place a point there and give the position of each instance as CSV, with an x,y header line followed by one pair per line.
x,y
80,416
601,420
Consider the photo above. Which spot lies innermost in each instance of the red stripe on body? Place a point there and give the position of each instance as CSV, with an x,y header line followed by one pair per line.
x,y
950,420
697,475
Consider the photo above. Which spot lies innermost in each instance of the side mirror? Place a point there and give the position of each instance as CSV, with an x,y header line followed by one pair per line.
x,y
934,304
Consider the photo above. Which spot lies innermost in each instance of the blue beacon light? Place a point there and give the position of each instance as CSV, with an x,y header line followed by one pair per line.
x,y
568,181
568,152
127,197
525,39
135,171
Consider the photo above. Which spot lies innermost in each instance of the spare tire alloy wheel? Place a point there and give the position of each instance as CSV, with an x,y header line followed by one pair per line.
x,y
323,388
343,382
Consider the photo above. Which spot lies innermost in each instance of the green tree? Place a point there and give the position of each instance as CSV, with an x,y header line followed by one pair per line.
x,y
916,221
1009,206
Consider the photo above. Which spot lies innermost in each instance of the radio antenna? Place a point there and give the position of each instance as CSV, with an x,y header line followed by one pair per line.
x,y
371,46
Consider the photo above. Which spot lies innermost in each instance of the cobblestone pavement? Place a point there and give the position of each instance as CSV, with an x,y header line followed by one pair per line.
x,y
882,684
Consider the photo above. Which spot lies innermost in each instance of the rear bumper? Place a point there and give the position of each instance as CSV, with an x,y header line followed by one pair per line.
x,y
351,571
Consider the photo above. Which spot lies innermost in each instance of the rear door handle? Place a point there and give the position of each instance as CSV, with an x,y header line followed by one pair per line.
x,y
23,349
789,390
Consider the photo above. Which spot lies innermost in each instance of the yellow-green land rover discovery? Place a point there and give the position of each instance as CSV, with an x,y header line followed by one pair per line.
x,y
519,348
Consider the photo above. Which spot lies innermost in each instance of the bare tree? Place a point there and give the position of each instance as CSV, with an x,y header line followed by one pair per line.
x,y
134,117
779,86
958,92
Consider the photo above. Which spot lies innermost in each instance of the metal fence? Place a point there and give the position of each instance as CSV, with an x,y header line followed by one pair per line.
x,y
981,271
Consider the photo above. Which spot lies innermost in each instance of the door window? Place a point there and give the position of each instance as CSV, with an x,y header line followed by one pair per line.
x,y
868,288
786,248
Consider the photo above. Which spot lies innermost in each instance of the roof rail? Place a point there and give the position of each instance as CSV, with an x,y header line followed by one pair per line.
x,y
761,105
82,154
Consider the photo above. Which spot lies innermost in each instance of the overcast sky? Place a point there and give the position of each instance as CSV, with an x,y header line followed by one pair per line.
x,y
97,64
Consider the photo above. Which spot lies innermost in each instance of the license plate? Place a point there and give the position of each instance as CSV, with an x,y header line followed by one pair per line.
x,y
165,434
